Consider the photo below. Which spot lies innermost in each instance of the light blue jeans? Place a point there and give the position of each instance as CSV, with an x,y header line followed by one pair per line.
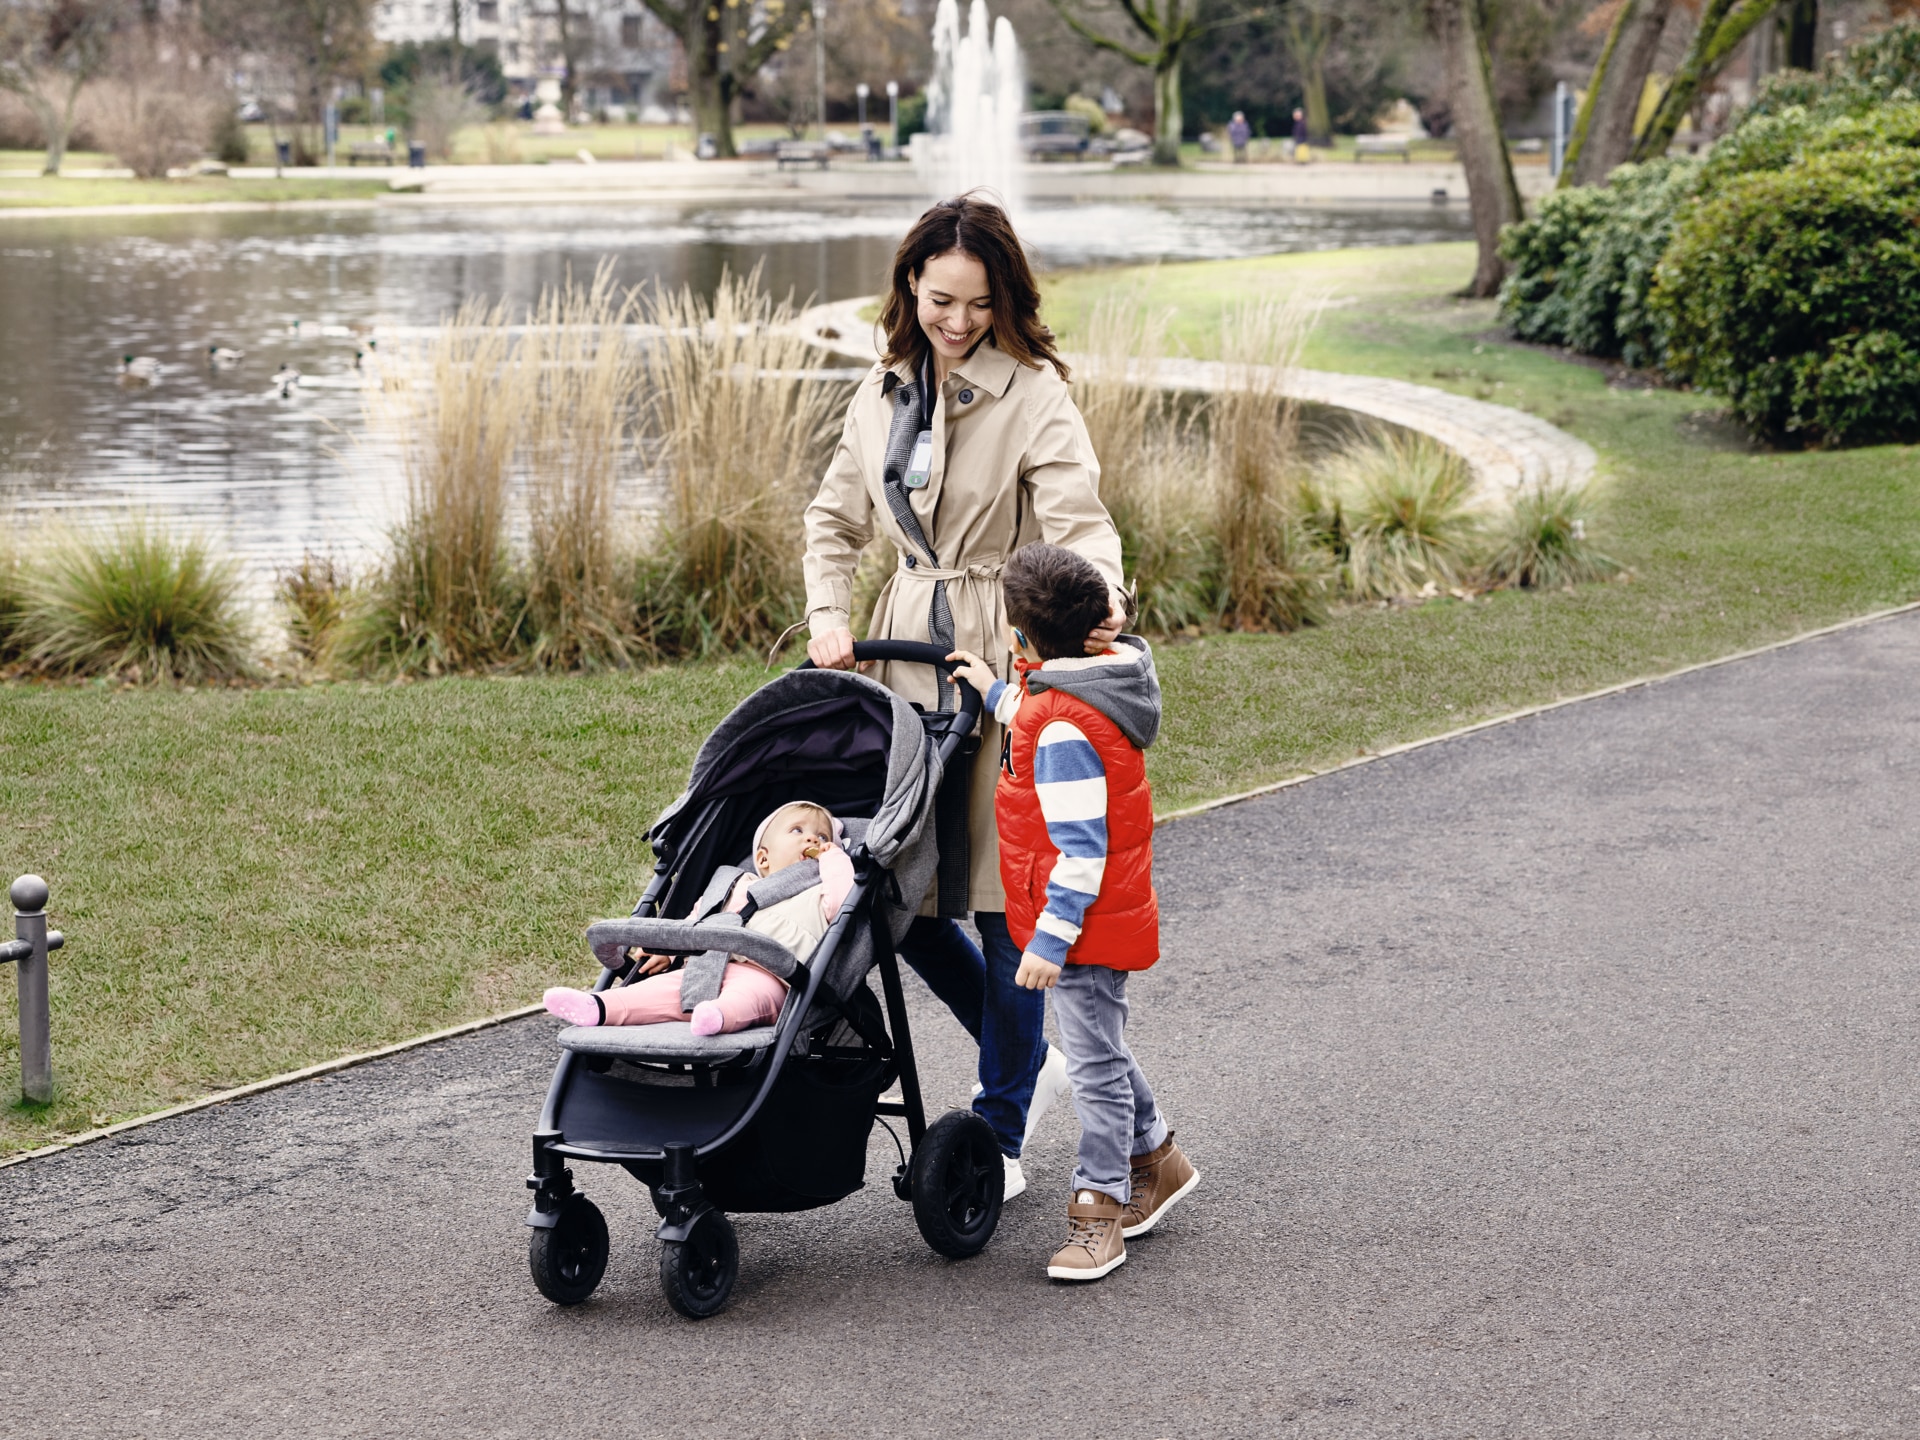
x,y
1118,1118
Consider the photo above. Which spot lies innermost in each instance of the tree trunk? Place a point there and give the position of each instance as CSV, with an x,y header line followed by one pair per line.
x,y
1803,30
1166,109
1309,44
710,84
1723,25
1603,133
1476,127
563,23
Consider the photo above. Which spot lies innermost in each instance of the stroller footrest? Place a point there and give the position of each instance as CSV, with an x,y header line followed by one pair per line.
x,y
670,1040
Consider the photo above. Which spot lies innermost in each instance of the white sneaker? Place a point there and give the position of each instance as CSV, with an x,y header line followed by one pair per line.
x,y
1049,1088
1016,1179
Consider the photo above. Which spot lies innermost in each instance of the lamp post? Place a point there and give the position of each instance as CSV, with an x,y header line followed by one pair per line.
x,y
860,93
893,114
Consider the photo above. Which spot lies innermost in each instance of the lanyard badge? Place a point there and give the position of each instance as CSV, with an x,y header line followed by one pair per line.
x,y
920,467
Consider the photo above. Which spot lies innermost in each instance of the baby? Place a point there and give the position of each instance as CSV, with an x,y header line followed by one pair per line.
x,y
748,995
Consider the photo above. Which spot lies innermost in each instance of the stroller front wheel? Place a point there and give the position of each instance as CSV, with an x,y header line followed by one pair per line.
x,y
569,1259
698,1273
958,1181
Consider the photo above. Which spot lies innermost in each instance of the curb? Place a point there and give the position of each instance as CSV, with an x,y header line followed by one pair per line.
x,y
347,1062
272,1082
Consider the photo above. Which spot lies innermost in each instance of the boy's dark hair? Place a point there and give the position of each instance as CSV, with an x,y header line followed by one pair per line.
x,y
1055,598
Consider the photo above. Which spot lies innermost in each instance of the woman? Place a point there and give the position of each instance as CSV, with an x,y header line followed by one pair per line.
x,y
961,446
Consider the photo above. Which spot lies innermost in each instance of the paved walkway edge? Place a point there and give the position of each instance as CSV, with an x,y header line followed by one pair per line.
x,y
347,1062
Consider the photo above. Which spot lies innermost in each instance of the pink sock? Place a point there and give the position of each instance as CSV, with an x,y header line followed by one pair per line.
x,y
576,1007
707,1019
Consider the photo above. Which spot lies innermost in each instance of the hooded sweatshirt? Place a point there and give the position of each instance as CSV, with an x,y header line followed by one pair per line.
x,y
1087,822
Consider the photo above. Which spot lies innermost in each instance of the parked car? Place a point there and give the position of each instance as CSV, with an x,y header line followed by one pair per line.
x,y
1054,135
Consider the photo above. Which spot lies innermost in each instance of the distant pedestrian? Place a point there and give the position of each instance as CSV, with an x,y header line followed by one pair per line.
x,y
1238,134
1301,153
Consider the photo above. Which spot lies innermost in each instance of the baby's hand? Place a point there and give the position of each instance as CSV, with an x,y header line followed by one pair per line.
x,y
1035,973
974,671
649,964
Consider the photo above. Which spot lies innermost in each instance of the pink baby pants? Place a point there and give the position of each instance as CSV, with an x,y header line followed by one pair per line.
x,y
748,996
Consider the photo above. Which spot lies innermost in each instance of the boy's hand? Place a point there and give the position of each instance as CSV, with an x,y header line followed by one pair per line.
x,y
1035,973
649,964
975,671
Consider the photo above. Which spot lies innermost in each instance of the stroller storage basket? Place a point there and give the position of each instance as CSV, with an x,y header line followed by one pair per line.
x,y
775,1118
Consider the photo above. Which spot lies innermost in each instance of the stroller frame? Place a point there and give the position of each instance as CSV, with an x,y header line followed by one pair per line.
x,y
695,1144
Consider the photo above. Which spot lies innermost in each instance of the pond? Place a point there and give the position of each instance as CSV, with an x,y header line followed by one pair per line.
x,y
270,477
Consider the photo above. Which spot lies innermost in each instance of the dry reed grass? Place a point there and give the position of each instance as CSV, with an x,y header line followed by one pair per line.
x,y
743,433
583,373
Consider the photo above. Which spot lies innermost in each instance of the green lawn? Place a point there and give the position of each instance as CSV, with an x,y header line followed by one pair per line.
x,y
256,880
20,193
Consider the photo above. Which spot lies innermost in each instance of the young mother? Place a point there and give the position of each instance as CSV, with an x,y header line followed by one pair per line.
x,y
960,447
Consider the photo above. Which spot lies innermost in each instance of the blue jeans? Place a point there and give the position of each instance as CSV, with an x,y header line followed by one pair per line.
x,y
1118,1116
1004,1020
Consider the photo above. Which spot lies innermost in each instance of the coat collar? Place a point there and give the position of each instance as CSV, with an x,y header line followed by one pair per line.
x,y
989,367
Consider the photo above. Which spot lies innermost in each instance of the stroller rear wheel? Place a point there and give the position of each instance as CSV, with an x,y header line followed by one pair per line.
x,y
958,1179
569,1259
698,1273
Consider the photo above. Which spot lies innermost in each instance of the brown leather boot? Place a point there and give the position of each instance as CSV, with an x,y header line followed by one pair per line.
x,y
1160,1178
1093,1243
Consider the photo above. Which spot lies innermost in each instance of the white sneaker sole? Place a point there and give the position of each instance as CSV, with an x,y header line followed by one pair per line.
x,y
1073,1272
1130,1232
1015,1184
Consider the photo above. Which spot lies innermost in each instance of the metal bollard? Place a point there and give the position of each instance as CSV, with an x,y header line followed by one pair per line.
x,y
32,940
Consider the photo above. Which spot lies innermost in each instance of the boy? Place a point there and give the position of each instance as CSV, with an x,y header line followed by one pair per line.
x,y
1076,855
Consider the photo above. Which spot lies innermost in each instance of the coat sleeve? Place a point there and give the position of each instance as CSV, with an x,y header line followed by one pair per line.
x,y
1061,476
839,523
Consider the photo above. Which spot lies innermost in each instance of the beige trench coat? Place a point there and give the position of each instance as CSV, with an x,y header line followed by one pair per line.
x,y
1011,464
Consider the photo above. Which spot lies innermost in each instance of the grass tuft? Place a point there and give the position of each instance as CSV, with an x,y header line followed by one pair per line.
x,y
1407,515
314,597
1542,543
134,602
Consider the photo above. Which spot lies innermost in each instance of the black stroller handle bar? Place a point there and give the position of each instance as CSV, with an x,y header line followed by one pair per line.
x,y
916,652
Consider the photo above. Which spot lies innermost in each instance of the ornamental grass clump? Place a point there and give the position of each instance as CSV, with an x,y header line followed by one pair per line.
x,y
135,602
313,597
742,428
1408,516
447,597
1272,576
1540,542
583,372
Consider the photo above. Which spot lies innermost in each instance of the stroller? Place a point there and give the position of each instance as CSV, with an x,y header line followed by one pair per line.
x,y
775,1118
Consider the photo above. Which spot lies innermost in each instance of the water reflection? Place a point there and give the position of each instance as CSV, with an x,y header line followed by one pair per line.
x,y
271,476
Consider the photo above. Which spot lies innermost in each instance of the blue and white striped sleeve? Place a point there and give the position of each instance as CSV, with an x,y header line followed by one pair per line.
x,y
1072,787
1003,701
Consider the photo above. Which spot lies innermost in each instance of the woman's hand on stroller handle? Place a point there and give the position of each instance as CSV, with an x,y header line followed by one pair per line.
x,y
834,651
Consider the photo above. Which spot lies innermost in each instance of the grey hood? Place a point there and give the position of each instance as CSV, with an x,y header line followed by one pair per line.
x,y
1128,693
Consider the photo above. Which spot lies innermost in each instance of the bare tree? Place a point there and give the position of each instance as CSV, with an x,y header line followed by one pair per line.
x,y
1603,130
314,43
1167,27
49,50
727,43
1455,25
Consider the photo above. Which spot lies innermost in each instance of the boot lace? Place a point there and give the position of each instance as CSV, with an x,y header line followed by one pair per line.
x,y
1087,1234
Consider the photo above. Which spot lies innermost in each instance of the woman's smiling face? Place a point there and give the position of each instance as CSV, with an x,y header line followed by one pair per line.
x,y
953,304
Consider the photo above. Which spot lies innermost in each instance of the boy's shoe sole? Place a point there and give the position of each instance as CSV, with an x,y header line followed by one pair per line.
x,y
1074,1272
1132,1232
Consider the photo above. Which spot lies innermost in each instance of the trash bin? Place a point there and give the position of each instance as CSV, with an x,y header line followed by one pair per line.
x,y
416,155
283,153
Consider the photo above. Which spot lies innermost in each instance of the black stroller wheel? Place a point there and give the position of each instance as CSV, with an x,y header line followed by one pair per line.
x,y
698,1273
958,1181
569,1259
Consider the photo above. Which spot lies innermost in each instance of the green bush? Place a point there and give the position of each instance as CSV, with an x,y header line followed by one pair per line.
x,y
1796,294
1581,271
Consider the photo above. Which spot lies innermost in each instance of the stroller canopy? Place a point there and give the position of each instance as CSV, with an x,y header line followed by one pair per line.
x,y
830,736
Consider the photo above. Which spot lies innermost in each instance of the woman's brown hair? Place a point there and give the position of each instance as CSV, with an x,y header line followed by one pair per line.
x,y
969,225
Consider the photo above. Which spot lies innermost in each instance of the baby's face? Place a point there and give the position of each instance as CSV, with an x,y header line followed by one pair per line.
x,y
795,835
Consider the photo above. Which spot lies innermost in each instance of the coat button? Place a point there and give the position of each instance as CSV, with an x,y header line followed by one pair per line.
x,y
912,562
966,397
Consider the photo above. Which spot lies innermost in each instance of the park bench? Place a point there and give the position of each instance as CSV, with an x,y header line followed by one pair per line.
x,y
801,152
373,152
1365,145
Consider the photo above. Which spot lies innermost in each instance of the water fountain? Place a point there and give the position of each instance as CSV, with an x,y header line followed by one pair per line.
x,y
974,101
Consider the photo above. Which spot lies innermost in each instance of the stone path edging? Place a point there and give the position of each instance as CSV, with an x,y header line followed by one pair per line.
x,y
1505,448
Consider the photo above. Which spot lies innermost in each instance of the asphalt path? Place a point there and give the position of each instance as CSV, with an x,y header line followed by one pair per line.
x,y
1559,1079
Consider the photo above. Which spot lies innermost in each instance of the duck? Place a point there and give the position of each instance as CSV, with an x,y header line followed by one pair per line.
x,y
293,328
222,357
139,370
285,380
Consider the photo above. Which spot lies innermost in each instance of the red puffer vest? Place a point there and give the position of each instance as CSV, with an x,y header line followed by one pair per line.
x,y
1122,926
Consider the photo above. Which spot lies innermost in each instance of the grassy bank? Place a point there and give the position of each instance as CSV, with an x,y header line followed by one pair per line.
x,y
253,880
21,192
